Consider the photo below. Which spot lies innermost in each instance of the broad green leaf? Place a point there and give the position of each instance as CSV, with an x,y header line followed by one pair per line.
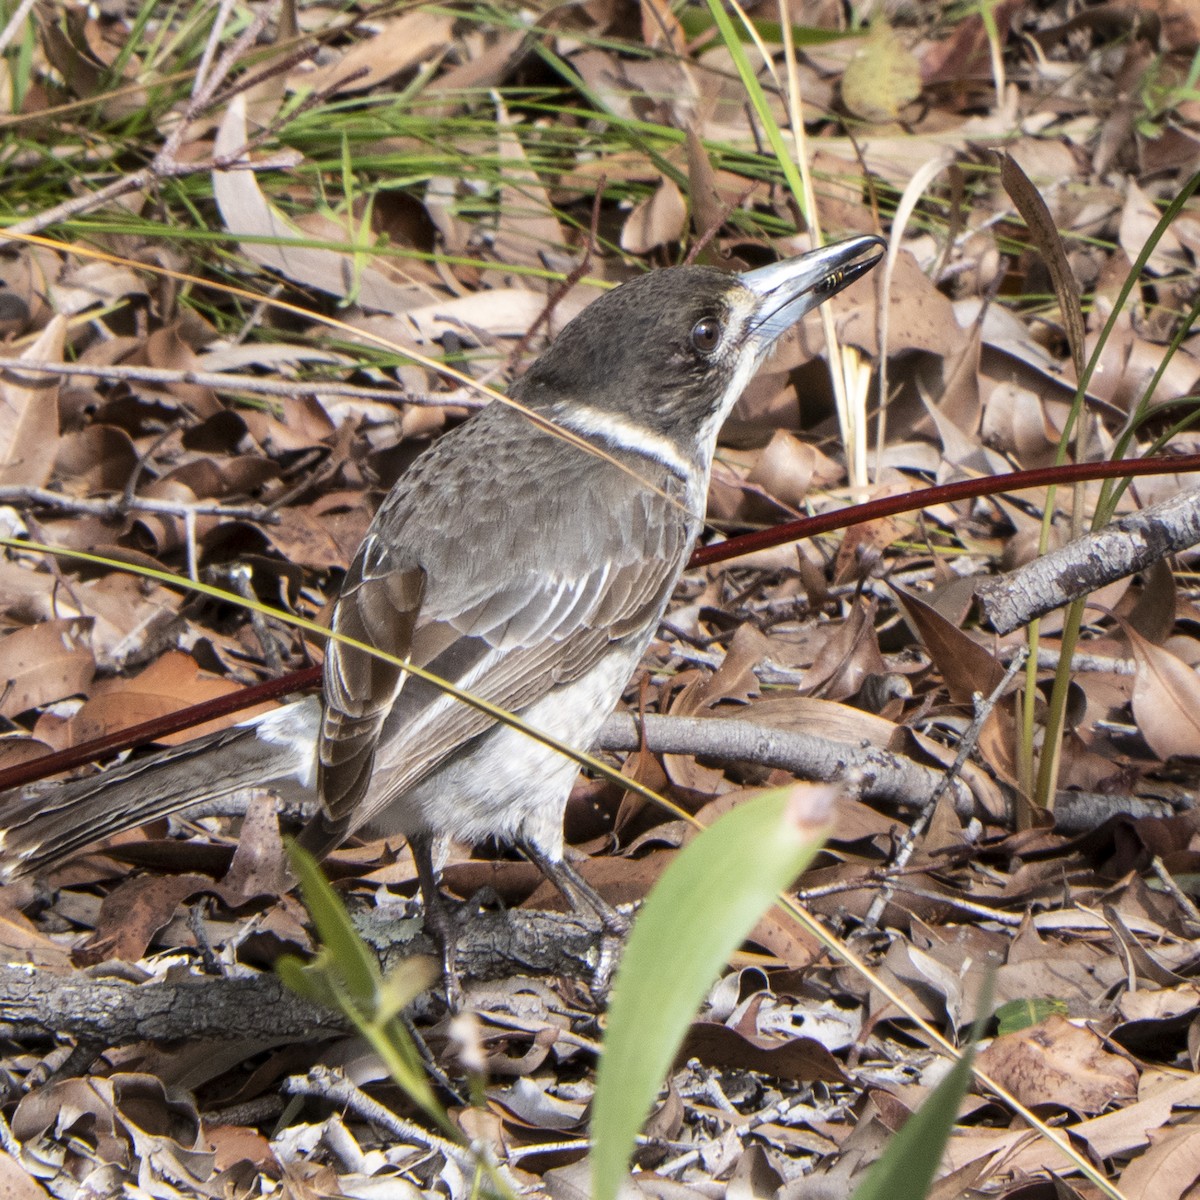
x,y
405,982
344,976
698,914
696,20
308,979
1021,1014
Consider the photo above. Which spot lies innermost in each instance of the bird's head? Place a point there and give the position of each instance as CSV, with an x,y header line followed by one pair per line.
x,y
671,351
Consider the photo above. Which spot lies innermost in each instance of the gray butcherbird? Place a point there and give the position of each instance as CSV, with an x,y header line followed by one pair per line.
x,y
513,563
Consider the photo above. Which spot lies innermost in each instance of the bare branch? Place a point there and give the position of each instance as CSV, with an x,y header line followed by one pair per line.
x,y
119,506
223,381
1123,548
36,1005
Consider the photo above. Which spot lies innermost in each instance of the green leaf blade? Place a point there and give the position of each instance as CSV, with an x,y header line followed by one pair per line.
x,y
908,1165
906,1168
345,949
701,910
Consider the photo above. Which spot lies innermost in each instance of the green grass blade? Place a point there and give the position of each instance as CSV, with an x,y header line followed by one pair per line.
x,y
911,1159
701,910
358,969
697,21
758,100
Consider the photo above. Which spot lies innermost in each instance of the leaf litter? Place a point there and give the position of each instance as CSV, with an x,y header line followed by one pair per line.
x,y
426,176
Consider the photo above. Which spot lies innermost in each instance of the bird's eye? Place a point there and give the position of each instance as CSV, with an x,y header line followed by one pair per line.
x,y
706,333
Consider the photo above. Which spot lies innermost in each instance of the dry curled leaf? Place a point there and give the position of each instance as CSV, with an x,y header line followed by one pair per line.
x,y
1166,699
29,423
655,221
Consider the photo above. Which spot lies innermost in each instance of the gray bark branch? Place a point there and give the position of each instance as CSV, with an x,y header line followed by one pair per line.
x,y
37,1004
1123,548
884,776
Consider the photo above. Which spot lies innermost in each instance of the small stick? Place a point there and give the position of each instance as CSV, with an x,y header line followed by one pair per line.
x,y
983,710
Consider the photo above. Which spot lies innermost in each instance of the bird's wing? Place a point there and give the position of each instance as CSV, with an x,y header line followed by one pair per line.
x,y
509,644
379,605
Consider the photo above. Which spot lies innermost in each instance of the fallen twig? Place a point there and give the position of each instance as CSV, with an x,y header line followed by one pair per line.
x,y
223,381
35,1005
119,506
1123,548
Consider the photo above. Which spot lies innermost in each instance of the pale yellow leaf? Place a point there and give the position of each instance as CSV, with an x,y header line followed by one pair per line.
x,y
882,77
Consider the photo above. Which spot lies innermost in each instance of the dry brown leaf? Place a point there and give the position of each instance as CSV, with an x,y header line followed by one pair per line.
x,y
169,348
821,718
94,283
135,1123
661,28
259,867
920,317
247,211
1153,613
733,680
965,665
394,46
1117,1133
1169,1169
44,663
847,657
100,458
496,312
1139,217
171,682
1058,1062
214,478
1048,243
16,1182
16,749
1166,699
708,204
482,70
626,85
234,1144
787,467
29,422
528,230
133,912
800,1058
658,219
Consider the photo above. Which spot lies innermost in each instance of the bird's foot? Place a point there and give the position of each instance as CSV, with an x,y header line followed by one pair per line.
x,y
611,945
586,901
442,921
442,918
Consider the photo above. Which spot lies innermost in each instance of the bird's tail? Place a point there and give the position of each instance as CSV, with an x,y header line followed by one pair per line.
x,y
44,825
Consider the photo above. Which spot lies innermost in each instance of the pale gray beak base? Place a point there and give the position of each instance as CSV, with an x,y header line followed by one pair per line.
x,y
795,286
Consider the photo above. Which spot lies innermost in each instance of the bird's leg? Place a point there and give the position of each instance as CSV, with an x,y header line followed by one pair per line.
x,y
439,917
579,893
583,898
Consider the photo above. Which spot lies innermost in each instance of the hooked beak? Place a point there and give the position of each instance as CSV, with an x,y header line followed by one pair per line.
x,y
789,289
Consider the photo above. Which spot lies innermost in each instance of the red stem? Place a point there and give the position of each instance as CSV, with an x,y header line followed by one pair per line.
x,y
945,493
777,535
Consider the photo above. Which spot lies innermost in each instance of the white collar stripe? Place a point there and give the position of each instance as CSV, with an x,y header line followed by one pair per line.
x,y
618,432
